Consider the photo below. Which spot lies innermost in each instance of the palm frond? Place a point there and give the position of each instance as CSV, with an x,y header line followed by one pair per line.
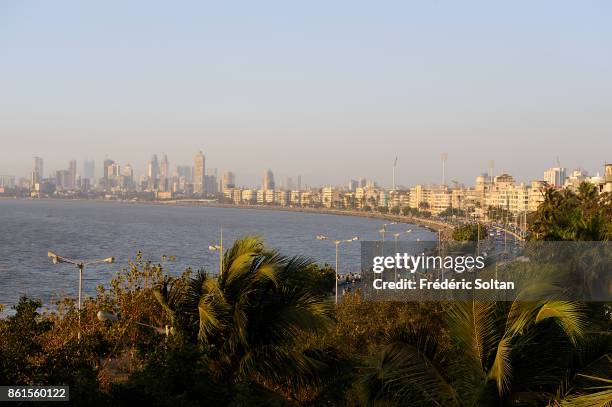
x,y
601,398
501,370
472,324
568,314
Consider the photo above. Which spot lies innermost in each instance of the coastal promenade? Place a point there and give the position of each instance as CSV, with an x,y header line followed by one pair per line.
x,y
445,229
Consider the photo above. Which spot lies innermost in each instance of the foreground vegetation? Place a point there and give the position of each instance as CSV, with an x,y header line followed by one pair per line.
x,y
266,333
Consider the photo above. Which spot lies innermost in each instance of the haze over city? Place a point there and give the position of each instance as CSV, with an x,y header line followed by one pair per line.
x,y
328,91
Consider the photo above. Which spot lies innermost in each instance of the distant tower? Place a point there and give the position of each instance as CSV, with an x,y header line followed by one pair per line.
x,y
37,172
153,172
491,170
299,183
199,174
444,159
72,171
164,174
89,169
394,165
107,163
38,167
228,181
128,176
164,169
268,181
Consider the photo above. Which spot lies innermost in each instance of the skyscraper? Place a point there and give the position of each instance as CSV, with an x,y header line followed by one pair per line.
x,y
199,174
184,171
127,179
211,186
38,167
37,172
107,163
268,181
72,175
153,172
89,170
228,181
62,180
164,174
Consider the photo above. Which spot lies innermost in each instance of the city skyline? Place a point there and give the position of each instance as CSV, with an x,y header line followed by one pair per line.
x,y
326,95
95,170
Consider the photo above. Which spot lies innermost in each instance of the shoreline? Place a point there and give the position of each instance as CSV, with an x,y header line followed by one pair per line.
x,y
434,226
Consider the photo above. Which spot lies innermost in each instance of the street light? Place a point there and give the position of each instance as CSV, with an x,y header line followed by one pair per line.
x,y
110,317
219,247
337,244
56,259
395,237
384,229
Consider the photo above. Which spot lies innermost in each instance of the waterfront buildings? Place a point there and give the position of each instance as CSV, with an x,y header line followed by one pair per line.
x,y
489,195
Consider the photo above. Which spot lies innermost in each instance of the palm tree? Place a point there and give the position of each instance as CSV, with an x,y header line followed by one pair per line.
x,y
472,363
601,397
568,216
250,321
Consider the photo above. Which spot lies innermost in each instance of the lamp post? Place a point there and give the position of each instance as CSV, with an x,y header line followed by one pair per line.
x,y
219,248
56,259
383,230
395,237
337,244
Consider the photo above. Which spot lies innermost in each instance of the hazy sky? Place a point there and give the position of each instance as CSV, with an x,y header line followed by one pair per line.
x,y
327,89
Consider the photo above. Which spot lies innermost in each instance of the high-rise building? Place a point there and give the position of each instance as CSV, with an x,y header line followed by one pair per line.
x,y
184,171
268,180
7,181
228,181
164,168
164,174
127,177
107,163
37,172
72,175
153,173
555,176
62,180
211,186
299,185
199,174
38,167
89,170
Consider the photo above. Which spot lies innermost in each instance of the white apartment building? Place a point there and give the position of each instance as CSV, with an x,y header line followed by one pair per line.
x,y
330,197
555,176
281,197
248,196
